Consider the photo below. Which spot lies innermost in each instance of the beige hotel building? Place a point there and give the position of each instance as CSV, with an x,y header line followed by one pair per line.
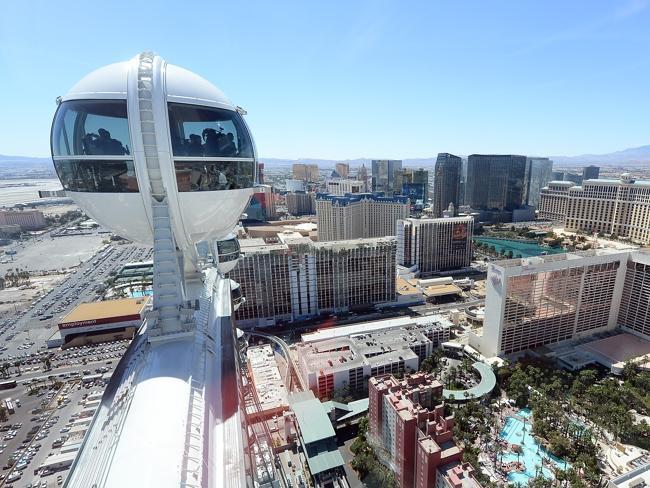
x,y
360,215
615,207
296,278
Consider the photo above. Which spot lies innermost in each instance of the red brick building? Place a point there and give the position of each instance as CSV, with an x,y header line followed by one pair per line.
x,y
412,432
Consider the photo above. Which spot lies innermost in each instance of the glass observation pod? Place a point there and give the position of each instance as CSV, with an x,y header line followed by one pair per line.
x,y
206,155
227,253
236,295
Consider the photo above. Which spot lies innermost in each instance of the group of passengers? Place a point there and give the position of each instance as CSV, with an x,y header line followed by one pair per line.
x,y
102,143
210,143
205,177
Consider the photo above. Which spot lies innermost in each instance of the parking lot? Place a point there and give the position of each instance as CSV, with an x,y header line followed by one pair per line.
x,y
27,331
48,410
45,430
46,252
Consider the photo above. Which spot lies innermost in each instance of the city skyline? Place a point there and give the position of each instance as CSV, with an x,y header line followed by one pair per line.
x,y
250,321
559,83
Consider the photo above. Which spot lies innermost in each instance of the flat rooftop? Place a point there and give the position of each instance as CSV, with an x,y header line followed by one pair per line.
x,y
268,382
618,348
639,477
406,288
566,256
373,347
441,290
282,242
106,310
459,475
344,353
362,327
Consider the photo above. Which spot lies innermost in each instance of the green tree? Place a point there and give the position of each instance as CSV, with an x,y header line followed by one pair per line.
x,y
342,395
630,370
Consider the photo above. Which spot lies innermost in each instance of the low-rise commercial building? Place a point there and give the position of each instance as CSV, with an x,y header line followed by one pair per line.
x,y
117,318
412,433
355,353
435,244
270,390
636,478
318,439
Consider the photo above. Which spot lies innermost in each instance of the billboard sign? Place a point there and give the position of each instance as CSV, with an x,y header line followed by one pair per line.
x,y
459,236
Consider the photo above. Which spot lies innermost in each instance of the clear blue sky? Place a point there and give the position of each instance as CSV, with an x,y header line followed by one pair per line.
x,y
347,79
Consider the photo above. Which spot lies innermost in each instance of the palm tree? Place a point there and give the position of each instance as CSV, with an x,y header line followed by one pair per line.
x,y
498,453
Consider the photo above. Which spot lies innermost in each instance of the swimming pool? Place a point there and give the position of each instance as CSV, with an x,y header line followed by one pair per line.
x,y
518,430
140,293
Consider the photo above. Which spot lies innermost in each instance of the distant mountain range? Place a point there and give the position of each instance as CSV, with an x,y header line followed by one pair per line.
x,y
9,161
632,157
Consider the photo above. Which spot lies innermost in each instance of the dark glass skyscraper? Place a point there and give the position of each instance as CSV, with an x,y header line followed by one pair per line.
x,y
590,173
538,174
495,181
446,183
387,176
415,184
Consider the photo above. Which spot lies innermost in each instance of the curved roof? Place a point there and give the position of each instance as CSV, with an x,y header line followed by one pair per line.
x,y
109,79
485,386
168,417
182,85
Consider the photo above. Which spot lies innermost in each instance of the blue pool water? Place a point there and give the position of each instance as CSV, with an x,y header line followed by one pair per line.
x,y
516,431
525,412
140,293
523,249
